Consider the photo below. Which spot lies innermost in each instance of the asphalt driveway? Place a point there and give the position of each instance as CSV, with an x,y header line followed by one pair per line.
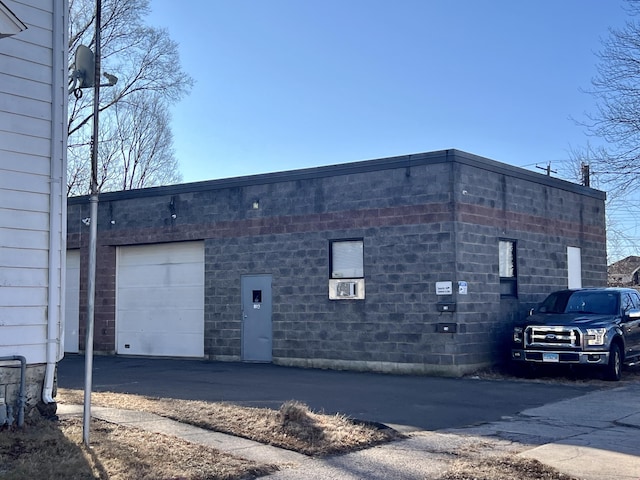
x,y
415,402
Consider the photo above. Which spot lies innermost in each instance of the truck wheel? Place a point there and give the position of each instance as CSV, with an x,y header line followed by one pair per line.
x,y
613,371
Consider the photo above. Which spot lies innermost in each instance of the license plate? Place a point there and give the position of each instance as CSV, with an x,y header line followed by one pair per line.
x,y
550,357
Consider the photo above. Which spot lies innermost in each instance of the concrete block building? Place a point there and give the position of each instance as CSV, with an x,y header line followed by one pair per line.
x,y
412,264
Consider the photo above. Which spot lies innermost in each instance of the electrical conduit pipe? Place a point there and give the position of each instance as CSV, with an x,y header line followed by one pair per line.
x,y
57,204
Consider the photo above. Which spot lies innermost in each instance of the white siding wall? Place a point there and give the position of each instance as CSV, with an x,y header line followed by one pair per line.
x,y
29,161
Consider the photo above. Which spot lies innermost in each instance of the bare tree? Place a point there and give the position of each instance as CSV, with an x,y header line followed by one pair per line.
x,y
621,211
140,151
615,164
616,89
147,64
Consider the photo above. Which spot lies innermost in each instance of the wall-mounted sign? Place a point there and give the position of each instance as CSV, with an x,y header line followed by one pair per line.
x,y
444,288
462,288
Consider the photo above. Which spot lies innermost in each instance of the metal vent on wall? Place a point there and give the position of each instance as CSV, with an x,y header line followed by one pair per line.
x,y
346,289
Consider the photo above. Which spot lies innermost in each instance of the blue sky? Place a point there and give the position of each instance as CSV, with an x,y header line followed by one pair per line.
x,y
288,84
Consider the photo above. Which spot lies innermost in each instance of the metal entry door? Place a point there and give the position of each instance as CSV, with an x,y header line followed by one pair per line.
x,y
257,335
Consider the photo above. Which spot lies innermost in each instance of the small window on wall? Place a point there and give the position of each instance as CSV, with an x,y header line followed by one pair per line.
x,y
508,270
346,258
574,268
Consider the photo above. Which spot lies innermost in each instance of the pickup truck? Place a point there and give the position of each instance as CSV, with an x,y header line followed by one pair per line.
x,y
597,327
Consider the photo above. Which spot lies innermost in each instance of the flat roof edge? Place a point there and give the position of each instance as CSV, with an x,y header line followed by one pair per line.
x,y
401,161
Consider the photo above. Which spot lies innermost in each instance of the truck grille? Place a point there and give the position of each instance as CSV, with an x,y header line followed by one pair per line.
x,y
552,337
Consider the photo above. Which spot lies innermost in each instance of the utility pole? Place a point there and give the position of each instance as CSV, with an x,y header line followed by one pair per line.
x,y
93,234
586,175
547,169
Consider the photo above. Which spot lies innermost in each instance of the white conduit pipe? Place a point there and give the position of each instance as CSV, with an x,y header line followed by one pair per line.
x,y
57,202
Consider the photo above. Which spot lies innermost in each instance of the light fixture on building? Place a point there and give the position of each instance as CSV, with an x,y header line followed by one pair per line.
x,y
256,204
172,208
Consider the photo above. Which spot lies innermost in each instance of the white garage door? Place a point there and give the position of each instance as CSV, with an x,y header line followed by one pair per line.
x,y
72,302
160,300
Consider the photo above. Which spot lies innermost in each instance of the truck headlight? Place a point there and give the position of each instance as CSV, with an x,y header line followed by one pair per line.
x,y
595,336
517,334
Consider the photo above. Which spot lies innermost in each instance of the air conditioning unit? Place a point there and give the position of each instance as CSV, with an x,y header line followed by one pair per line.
x,y
346,289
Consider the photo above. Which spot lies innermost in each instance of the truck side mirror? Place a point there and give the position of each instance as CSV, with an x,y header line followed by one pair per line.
x,y
633,313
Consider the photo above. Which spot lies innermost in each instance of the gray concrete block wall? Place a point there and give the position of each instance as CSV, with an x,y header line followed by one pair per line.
x,y
421,221
542,222
395,321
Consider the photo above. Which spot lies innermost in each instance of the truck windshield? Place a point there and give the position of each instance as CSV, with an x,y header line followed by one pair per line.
x,y
602,303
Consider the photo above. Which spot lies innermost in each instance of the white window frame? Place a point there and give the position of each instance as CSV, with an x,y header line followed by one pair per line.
x,y
508,267
346,258
574,267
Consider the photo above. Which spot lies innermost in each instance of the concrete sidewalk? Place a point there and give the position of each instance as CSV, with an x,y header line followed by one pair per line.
x,y
421,455
592,437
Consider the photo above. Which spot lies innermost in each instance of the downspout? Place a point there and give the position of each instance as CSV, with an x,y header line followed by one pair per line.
x,y
455,210
57,202
21,394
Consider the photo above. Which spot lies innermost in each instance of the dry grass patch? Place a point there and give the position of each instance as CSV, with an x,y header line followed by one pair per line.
x,y
293,427
54,450
502,468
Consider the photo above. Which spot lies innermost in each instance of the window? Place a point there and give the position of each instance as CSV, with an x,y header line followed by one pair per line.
x,y
346,258
635,298
593,302
346,269
507,267
629,301
574,268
